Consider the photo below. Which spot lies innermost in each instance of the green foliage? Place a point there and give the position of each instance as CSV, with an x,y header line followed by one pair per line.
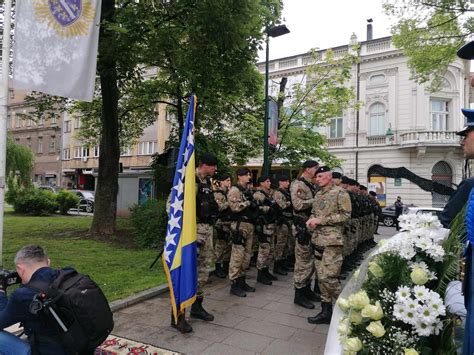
x,y
33,201
149,222
19,164
66,200
430,32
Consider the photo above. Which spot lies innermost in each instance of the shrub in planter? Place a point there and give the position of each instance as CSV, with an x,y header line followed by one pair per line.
x,y
149,221
66,200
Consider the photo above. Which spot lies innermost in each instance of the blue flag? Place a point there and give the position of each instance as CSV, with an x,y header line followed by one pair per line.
x,y
180,251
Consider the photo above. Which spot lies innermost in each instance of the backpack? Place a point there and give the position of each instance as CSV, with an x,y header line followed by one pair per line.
x,y
76,306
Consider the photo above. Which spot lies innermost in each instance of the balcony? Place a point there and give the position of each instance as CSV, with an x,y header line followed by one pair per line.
x,y
335,142
377,140
429,138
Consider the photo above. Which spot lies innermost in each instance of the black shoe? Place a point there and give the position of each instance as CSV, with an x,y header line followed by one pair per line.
x,y
236,289
279,269
262,278
324,317
269,276
316,289
220,272
310,295
301,300
181,325
246,287
197,311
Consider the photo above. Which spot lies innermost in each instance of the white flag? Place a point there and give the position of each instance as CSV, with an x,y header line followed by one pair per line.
x,y
55,48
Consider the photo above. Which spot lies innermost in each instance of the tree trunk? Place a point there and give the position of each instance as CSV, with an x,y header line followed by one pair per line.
x,y
105,212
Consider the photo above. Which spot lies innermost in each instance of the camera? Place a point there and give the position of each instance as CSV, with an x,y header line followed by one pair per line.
x,y
8,278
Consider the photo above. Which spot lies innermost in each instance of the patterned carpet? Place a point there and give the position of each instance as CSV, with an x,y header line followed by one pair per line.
x,y
115,345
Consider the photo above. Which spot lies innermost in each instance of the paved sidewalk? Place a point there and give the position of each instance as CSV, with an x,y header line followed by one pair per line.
x,y
264,322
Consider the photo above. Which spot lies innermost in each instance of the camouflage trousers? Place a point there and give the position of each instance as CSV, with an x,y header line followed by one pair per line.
x,y
304,264
282,235
266,249
205,255
223,244
240,255
328,262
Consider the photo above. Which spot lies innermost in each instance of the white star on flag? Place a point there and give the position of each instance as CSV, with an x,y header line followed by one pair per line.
x,y
190,138
179,188
174,222
177,205
167,255
170,238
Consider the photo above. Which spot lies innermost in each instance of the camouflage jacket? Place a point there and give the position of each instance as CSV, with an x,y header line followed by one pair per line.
x,y
237,200
284,201
332,206
221,199
302,197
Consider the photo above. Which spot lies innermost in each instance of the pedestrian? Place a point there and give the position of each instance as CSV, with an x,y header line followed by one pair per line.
x,y
398,211
331,210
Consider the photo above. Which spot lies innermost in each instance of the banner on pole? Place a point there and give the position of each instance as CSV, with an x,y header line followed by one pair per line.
x,y
55,48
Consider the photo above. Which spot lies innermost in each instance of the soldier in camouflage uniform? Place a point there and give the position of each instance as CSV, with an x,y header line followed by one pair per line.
x,y
302,193
331,209
222,227
206,213
243,210
284,224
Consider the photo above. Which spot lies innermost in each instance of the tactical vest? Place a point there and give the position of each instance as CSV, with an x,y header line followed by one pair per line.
x,y
272,215
288,211
248,214
206,205
224,215
313,189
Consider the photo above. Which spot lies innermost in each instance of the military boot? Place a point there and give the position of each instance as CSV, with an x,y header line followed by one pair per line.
x,y
324,317
269,276
263,278
301,300
310,295
181,324
220,272
245,286
279,269
197,311
316,289
236,288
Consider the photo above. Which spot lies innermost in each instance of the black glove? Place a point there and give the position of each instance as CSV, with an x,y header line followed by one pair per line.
x,y
238,238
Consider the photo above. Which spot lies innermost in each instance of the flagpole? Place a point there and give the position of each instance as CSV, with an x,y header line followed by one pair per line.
x,y
4,111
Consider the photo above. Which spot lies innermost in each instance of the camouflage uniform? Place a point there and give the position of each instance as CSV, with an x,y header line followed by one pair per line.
x,y
284,225
240,205
265,241
302,196
332,205
206,211
222,227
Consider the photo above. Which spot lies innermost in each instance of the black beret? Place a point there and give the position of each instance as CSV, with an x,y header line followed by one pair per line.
x,y
345,180
352,182
336,175
208,159
323,169
263,178
283,177
310,164
223,177
372,193
362,187
243,171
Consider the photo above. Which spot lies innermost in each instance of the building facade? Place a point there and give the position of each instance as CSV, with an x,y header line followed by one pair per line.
x,y
400,123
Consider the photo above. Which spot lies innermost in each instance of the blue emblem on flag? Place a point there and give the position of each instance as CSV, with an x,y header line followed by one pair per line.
x,y
66,12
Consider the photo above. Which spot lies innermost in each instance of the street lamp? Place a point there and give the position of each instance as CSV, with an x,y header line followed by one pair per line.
x,y
275,31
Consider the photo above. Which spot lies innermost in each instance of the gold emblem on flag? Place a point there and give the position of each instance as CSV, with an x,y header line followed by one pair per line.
x,y
69,18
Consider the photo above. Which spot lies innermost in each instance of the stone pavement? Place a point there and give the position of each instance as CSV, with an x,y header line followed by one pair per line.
x,y
264,322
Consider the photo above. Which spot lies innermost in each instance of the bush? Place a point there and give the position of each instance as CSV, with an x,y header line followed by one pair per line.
x,y
150,221
66,200
34,201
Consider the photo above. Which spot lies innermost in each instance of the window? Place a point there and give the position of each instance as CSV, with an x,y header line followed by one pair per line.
x,y
439,114
17,121
377,120
126,151
40,145
81,152
41,121
77,123
377,79
52,145
29,122
66,154
67,126
335,128
147,148
96,151
28,142
54,120
85,152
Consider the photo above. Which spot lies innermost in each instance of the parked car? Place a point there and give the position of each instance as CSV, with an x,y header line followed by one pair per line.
x,y
435,211
388,216
87,200
53,189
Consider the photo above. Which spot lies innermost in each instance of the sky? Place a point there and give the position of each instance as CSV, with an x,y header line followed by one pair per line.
x,y
324,24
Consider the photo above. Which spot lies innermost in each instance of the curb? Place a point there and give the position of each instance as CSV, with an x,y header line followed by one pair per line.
x,y
139,297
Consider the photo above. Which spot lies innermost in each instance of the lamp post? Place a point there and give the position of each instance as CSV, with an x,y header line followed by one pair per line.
x,y
275,31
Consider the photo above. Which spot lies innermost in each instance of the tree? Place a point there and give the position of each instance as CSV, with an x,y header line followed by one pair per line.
x,y
430,32
19,163
322,94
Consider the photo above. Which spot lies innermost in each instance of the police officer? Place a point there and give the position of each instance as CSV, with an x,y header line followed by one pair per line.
x,y
331,209
206,213
284,225
302,193
243,210
265,229
222,227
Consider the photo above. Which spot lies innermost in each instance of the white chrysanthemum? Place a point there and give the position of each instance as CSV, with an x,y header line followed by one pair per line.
x,y
436,252
423,329
399,310
421,292
438,327
410,316
427,314
403,293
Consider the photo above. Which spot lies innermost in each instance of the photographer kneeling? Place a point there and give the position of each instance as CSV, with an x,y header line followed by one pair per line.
x,y
32,263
